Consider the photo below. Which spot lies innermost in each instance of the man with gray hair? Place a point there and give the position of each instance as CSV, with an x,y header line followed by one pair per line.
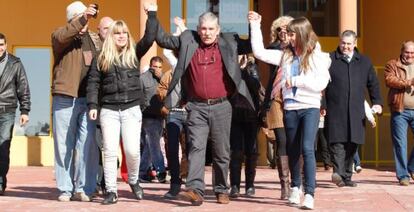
x,y
76,151
351,73
210,73
399,78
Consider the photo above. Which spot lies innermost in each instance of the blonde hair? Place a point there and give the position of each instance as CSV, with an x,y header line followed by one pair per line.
x,y
112,55
279,22
305,41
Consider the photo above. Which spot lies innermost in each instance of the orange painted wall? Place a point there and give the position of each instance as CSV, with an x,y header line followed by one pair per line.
x,y
385,25
29,22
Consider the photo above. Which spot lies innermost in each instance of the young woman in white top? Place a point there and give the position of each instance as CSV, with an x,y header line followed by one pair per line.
x,y
305,75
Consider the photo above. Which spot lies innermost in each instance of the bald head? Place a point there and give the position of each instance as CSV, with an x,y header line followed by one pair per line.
x,y
104,26
407,52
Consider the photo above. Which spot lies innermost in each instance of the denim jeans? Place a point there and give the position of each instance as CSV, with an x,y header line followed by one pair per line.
x,y
399,124
357,160
176,122
151,152
126,123
76,151
6,133
301,127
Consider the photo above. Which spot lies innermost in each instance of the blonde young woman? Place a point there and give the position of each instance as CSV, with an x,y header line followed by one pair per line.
x,y
273,105
114,86
305,75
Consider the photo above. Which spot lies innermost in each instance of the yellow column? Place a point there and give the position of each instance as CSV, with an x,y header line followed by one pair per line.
x,y
347,15
143,18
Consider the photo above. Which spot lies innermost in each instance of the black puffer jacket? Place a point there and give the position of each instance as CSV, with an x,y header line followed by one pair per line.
x,y
14,87
117,89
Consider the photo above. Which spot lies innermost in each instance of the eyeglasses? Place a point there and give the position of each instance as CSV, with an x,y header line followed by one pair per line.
x,y
202,60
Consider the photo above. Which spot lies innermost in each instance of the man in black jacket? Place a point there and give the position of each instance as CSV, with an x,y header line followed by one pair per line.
x,y
351,73
14,87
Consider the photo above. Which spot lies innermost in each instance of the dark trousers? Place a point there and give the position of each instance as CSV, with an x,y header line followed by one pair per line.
x,y
343,158
175,126
321,146
6,132
204,120
243,144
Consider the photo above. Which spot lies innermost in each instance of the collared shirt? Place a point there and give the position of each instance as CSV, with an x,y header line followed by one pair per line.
x,y
349,56
409,92
207,77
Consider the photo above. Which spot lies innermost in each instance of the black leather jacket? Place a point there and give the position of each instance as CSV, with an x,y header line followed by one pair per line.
x,y
14,87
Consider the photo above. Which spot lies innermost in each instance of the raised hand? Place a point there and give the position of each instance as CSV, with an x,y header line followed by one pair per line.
x,y
254,17
150,7
180,23
90,12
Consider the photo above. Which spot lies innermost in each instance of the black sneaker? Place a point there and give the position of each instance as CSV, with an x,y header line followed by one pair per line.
x,y
137,190
250,192
110,198
3,182
173,192
234,191
162,177
350,183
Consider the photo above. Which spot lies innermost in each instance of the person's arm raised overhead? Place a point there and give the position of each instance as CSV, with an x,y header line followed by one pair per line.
x,y
270,56
151,26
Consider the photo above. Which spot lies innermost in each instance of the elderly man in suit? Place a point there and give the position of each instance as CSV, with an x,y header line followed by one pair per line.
x,y
210,75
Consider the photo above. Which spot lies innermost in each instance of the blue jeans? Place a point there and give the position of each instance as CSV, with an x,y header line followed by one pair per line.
x,y
357,160
301,127
176,122
150,139
76,151
6,133
399,124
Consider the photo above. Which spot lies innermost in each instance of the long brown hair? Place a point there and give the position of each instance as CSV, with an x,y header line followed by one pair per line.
x,y
306,40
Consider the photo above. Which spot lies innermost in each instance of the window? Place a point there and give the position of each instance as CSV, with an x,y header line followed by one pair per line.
x,y
323,14
37,63
232,14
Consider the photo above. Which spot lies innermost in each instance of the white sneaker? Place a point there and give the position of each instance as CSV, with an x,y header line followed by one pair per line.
x,y
308,202
353,169
358,169
64,198
294,197
81,196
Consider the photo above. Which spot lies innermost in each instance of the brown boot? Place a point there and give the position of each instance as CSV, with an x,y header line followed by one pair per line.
x,y
283,169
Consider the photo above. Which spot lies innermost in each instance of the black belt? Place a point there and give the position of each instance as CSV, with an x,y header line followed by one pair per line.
x,y
209,101
7,109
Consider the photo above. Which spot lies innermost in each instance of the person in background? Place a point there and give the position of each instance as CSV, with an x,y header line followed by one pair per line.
x,y
102,32
14,90
244,129
74,46
305,75
152,124
114,86
321,143
175,121
399,78
273,104
369,114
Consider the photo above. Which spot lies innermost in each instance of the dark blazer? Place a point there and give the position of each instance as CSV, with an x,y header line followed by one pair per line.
x,y
345,95
230,45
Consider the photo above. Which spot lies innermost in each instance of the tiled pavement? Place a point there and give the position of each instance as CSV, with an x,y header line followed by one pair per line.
x,y
33,189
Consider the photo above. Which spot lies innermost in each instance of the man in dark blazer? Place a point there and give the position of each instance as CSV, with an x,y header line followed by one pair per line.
x,y
210,75
351,73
